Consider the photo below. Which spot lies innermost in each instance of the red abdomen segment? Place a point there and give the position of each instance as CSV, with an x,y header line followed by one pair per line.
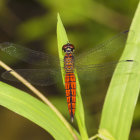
x,y
70,87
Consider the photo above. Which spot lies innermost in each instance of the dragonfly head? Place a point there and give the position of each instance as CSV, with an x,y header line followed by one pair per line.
x,y
68,48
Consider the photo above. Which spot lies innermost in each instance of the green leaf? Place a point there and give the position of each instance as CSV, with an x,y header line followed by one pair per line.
x,y
122,95
62,40
34,110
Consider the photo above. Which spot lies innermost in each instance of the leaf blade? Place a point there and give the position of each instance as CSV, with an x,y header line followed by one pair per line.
x,y
34,110
123,91
79,113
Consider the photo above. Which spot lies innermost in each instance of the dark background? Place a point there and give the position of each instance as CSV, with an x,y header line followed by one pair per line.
x,y
32,23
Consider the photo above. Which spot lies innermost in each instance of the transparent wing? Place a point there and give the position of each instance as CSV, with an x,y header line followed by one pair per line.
x,y
28,55
110,48
41,77
99,71
46,77
91,63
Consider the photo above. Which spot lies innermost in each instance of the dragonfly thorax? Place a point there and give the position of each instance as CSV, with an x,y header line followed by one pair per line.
x,y
69,62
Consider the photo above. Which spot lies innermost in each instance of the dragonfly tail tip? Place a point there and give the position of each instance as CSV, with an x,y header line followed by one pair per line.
x,y
72,118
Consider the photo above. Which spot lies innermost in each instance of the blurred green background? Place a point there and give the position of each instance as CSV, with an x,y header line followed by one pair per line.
x,y
32,23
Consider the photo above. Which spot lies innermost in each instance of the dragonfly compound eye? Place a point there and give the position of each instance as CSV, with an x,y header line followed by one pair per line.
x,y
64,48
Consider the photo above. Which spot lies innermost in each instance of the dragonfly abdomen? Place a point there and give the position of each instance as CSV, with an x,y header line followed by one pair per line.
x,y
70,87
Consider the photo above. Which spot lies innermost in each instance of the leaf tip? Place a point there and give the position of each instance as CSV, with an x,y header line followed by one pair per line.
x,y
58,17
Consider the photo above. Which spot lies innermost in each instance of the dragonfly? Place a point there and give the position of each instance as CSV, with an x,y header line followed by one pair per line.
x,y
85,63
